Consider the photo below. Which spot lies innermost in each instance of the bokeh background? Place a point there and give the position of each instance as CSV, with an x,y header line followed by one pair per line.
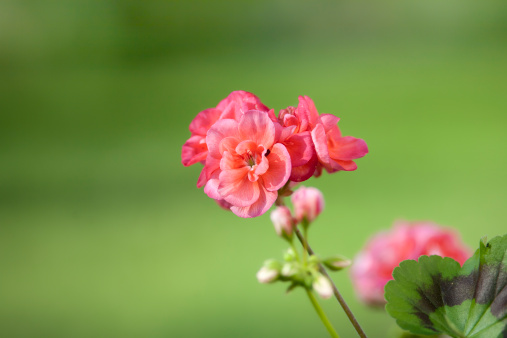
x,y
102,230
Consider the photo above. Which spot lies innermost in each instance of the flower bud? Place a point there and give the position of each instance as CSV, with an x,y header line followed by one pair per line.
x,y
308,203
289,269
337,263
269,272
289,255
322,286
282,220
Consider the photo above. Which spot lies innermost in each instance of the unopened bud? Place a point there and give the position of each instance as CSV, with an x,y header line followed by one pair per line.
x,y
289,269
322,286
269,272
289,255
337,263
308,203
282,220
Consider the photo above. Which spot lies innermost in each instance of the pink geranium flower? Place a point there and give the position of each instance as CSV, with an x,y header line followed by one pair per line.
x,y
245,166
335,152
373,266
233,106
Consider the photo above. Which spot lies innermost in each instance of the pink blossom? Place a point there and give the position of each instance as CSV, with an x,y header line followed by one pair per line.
x,y
373,266
244,166
233,106
335,152
308,203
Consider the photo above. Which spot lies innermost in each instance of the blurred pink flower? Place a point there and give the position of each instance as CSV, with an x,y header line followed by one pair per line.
x,y
373,266
244,166
308,203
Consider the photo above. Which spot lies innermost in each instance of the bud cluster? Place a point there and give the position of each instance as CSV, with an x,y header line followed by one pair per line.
x,y
302,271
297,273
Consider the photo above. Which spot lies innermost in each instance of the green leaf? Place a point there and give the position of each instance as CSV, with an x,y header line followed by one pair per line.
x,y
435,295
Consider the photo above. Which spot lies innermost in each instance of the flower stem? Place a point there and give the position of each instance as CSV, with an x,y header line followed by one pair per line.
x,y
337,294
305,242
295,250
322,315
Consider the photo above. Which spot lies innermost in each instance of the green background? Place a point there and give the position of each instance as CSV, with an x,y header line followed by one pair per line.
x,y
102,230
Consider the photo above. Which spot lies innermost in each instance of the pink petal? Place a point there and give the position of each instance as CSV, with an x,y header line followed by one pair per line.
x,y
228,144
348,148
246,146
265,201
262,165
211,187
286,133
337,165
201,181
238,102
271,114
304,172
347,165
279,168
329,121
204,120
306,108
320,142
257,126
236,188
231,161
220,130
212,164
300,148
194,150
278,131
229,110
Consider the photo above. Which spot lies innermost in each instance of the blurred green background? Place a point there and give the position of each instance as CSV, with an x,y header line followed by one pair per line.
x,y
102,230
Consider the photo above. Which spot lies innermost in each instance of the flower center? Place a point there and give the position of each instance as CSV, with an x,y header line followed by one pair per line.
x,y
251,160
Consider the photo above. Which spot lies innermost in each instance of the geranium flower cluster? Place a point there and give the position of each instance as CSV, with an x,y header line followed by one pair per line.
x,y
249,153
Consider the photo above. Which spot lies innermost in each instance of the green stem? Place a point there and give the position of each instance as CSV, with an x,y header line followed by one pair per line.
x,y
305,242
293,246
322,315
337,294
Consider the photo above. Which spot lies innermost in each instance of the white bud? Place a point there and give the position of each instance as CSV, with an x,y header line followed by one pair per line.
x,y
323,287
267,275
337,263
289,269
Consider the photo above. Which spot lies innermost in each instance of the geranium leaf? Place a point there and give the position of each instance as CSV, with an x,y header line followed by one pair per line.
x,y
435,295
